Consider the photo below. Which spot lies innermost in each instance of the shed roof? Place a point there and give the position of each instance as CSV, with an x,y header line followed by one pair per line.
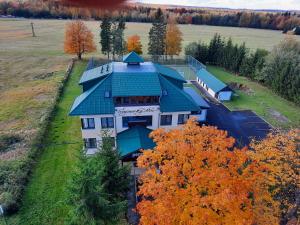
x,y
132,57
210,80
134,139
196,97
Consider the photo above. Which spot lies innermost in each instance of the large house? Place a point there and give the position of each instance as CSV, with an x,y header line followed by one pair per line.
x,y
122,102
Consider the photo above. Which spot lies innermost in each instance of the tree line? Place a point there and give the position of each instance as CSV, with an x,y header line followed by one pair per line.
x,y
165,38
278,69
131,13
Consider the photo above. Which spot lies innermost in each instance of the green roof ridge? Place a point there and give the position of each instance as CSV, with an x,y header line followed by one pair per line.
x,y
133,57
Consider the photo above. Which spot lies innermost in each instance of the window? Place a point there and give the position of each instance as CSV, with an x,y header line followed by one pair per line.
x,y
137,120
88,123
90,142
107,122
166,120
108,141
182,118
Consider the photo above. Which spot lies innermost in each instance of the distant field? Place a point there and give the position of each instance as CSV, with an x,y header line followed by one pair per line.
x,y
51,32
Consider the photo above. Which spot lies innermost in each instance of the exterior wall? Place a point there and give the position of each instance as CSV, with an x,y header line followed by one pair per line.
x,y
225,95
153,111
174,119
97,132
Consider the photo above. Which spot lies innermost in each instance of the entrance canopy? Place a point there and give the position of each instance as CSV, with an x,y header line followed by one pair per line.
x,y
132,140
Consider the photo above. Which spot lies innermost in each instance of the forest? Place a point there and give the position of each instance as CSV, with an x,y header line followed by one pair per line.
x,y
284,21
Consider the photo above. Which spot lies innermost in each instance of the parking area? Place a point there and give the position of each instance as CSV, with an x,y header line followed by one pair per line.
x,y
242,125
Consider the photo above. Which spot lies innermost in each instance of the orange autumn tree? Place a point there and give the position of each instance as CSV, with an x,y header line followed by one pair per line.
x,y
78,39
194,176
173,38
134,44
280,153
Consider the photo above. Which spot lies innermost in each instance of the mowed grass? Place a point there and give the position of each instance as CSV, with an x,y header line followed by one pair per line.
x,y
45,199
262,101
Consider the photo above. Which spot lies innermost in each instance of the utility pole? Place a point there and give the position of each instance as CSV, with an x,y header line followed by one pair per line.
x,y
32,30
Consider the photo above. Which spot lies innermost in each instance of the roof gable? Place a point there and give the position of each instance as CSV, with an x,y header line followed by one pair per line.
x,y
132,57
133,139
94,101
175,100
212,82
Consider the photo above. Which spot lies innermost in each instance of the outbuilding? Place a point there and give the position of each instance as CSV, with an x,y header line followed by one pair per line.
x,y
214,86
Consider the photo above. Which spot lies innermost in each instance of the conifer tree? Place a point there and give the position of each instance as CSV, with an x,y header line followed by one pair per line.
x,y
105,36
118,42
157,35
98,189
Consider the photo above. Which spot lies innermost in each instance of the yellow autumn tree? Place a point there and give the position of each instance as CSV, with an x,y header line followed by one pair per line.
x,y
194,176
173,38
279,152
78,39
134,44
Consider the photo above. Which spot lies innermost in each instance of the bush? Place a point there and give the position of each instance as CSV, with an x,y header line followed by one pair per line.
x,y
8,140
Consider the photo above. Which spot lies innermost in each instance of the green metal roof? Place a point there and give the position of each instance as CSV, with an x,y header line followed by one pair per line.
x,y
133,139
132,57
210,80
175,99
135,84
196,97
96,73
94,101
169,72
132,80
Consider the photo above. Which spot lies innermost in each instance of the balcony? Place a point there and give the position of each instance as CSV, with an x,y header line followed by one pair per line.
x,y
136,101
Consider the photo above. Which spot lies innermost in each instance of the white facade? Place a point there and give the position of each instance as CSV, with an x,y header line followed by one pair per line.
x,y
133,111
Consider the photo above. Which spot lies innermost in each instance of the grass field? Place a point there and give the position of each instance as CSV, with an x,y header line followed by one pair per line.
x,y
46,194
276,110
31,70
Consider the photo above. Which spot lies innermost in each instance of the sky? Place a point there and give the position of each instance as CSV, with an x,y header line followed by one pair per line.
x,y
245,4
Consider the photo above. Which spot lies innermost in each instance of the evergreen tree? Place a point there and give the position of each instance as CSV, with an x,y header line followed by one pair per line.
x,y
215,50
253,64
228,54
98,190
157,35
105,36
202,52
118,42
282,70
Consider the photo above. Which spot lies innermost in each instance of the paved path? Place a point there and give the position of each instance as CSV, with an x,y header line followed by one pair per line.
x,y
242,125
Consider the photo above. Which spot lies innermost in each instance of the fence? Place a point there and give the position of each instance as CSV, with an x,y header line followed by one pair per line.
x,y
194,63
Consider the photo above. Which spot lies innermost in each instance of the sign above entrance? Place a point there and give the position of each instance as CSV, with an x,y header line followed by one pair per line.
x,y
136,111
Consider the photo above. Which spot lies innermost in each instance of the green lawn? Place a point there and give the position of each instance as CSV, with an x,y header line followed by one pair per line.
x,y
262,101
46,194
